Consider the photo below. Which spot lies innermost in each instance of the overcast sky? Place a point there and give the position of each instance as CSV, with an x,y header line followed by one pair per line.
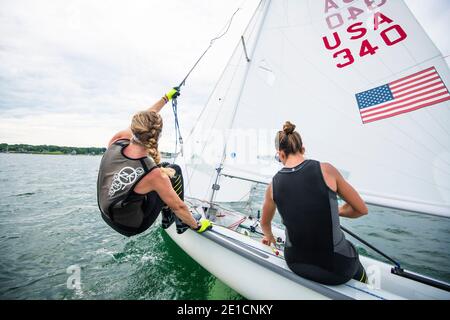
x,y
73,72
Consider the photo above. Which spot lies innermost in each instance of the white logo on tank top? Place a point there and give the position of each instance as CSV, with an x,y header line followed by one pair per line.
x,y
123,178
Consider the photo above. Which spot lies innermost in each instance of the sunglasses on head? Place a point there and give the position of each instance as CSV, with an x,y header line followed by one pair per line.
x,y
277,157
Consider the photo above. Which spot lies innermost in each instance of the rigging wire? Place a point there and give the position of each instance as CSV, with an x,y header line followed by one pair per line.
x,y
211,43
178,136
250,33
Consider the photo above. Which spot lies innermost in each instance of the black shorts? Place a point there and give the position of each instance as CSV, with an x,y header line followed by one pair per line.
x,y
349,268
152,206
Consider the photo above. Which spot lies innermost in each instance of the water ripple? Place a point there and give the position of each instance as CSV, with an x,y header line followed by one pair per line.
x,y
49,221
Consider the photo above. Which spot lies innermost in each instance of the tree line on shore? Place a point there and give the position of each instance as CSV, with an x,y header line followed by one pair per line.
x,y
49,149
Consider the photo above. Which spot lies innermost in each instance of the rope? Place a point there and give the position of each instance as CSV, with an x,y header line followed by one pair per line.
x,y
397,264
237,223
178,137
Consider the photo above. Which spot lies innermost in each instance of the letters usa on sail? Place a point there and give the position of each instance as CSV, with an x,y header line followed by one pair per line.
x,y
416,91
390,32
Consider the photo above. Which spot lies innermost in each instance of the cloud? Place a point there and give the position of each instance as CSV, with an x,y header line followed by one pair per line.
x,y
73,72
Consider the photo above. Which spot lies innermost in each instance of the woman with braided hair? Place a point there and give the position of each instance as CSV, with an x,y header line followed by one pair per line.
x,y
305,194
133,187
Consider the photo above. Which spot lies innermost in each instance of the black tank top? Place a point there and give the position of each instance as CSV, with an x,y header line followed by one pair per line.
x,y
309,210
124,210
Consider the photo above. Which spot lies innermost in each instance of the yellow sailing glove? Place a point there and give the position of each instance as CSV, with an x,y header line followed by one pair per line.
x,y
204,225
173,94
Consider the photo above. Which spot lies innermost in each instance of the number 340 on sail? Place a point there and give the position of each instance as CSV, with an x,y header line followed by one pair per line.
x,y
391,36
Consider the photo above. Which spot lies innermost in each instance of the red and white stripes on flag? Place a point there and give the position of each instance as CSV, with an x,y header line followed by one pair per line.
x,y
419,90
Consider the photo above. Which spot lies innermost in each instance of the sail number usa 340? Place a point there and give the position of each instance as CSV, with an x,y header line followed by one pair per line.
x,y
388,32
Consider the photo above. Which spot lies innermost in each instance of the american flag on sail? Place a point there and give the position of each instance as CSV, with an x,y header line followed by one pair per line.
x,y
416,91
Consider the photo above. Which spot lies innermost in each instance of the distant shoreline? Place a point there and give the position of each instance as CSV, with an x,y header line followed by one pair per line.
x,y
58,150
49,149
51,154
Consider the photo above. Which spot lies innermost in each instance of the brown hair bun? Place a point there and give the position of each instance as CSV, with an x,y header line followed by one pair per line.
x,y
289,140
289,127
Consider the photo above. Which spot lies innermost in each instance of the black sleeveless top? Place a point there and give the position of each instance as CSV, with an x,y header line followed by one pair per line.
x,y
124,210
309,210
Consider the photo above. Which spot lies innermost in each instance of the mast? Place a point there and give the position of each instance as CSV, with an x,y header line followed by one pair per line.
x,y
216,186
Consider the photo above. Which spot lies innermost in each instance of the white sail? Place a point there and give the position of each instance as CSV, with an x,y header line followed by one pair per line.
x,y
205,145
365,85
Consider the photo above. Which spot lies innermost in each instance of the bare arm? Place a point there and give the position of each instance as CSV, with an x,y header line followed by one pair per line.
x,y
158,105
268,213
347,211
172,94
354,206
159,182
127,134
123,134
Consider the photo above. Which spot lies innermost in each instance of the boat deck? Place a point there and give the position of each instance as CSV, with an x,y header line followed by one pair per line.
x,y
257,271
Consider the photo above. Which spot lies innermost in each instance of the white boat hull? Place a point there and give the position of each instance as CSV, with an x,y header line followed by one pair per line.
x,y
251,269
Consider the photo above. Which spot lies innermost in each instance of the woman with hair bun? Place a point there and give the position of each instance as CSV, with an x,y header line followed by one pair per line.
x,y
133,187
305,194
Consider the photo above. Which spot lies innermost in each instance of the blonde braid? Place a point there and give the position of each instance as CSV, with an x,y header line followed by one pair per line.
x,y
152,149
146,127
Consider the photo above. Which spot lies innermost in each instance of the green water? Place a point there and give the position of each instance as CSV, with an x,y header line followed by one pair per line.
x,y
49,221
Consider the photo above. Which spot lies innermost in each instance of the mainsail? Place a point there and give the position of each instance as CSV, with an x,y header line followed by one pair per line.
x,y
363,82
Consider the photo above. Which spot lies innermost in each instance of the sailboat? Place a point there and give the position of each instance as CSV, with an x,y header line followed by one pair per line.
x,y
368,90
